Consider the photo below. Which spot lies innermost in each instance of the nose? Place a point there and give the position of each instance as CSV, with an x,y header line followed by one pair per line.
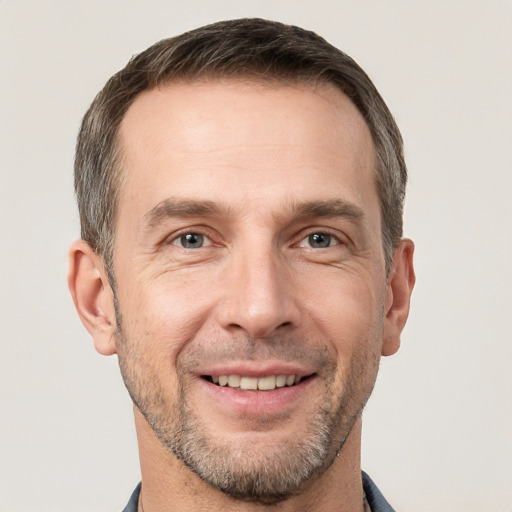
x,y
258,294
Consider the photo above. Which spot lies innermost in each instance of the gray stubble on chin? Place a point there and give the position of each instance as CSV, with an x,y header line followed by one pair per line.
x,y
249,473
245,473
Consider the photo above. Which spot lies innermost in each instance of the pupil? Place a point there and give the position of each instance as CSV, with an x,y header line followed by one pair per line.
x,y
319,240
192,240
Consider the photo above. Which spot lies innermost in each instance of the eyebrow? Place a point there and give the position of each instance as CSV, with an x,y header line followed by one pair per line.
x,y
330,208
181,208
173,207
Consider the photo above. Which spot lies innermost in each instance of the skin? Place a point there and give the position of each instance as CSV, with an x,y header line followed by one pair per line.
x,y
255,169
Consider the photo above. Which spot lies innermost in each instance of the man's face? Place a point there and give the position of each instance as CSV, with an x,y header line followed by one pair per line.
x,y
248,250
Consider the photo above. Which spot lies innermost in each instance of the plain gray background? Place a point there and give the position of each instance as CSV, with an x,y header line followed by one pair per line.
x,y
437,432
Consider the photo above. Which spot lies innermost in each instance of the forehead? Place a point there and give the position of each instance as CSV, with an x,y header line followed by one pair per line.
x,y
208,138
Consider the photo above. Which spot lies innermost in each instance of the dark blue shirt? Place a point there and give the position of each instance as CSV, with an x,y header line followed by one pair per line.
x,y
375,498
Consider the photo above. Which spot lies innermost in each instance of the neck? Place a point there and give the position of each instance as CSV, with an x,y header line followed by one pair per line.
x,y
168,485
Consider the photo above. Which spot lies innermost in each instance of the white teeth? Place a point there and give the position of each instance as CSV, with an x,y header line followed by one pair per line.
x,y
248,383
234,381
267,383
263,383
280,381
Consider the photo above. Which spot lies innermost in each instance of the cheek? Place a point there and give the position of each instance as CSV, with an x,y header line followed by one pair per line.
x,y
348,312
163,315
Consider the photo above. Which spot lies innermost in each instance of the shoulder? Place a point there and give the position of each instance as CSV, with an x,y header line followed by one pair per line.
x,y
133,503
375,498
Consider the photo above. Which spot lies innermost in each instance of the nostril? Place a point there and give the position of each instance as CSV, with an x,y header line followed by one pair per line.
x,y
259,331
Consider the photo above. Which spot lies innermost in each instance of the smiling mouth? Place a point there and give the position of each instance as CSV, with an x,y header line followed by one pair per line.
x,y
267,383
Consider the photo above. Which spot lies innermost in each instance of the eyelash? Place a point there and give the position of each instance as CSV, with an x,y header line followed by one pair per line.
x,y
181,236
320,232
178,240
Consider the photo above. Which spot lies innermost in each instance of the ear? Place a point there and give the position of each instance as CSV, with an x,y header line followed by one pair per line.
x,y
400,283
92,295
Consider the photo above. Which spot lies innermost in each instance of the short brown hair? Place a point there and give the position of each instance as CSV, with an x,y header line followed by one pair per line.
x,y
252,48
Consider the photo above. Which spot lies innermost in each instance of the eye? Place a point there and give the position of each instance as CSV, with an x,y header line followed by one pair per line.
x,y
319,241
192,241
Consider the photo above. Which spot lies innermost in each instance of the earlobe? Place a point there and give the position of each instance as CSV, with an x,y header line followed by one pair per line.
x,y
92,295
401,281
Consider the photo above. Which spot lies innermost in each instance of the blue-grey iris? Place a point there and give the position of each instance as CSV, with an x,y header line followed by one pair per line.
x,y
319,240
191,240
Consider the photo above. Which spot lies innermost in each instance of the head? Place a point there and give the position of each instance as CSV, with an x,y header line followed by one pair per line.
x,y
242,186
253,49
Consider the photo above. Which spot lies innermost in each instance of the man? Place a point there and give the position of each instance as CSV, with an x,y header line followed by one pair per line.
x,y
241,190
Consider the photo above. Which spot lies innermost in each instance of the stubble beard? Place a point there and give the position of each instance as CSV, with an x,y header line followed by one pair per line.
x,y
243,470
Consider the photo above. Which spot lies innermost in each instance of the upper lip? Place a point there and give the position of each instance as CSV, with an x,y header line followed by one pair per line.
x,y
255,370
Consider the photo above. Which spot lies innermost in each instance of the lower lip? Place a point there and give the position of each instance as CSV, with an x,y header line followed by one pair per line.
x,y
257,403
